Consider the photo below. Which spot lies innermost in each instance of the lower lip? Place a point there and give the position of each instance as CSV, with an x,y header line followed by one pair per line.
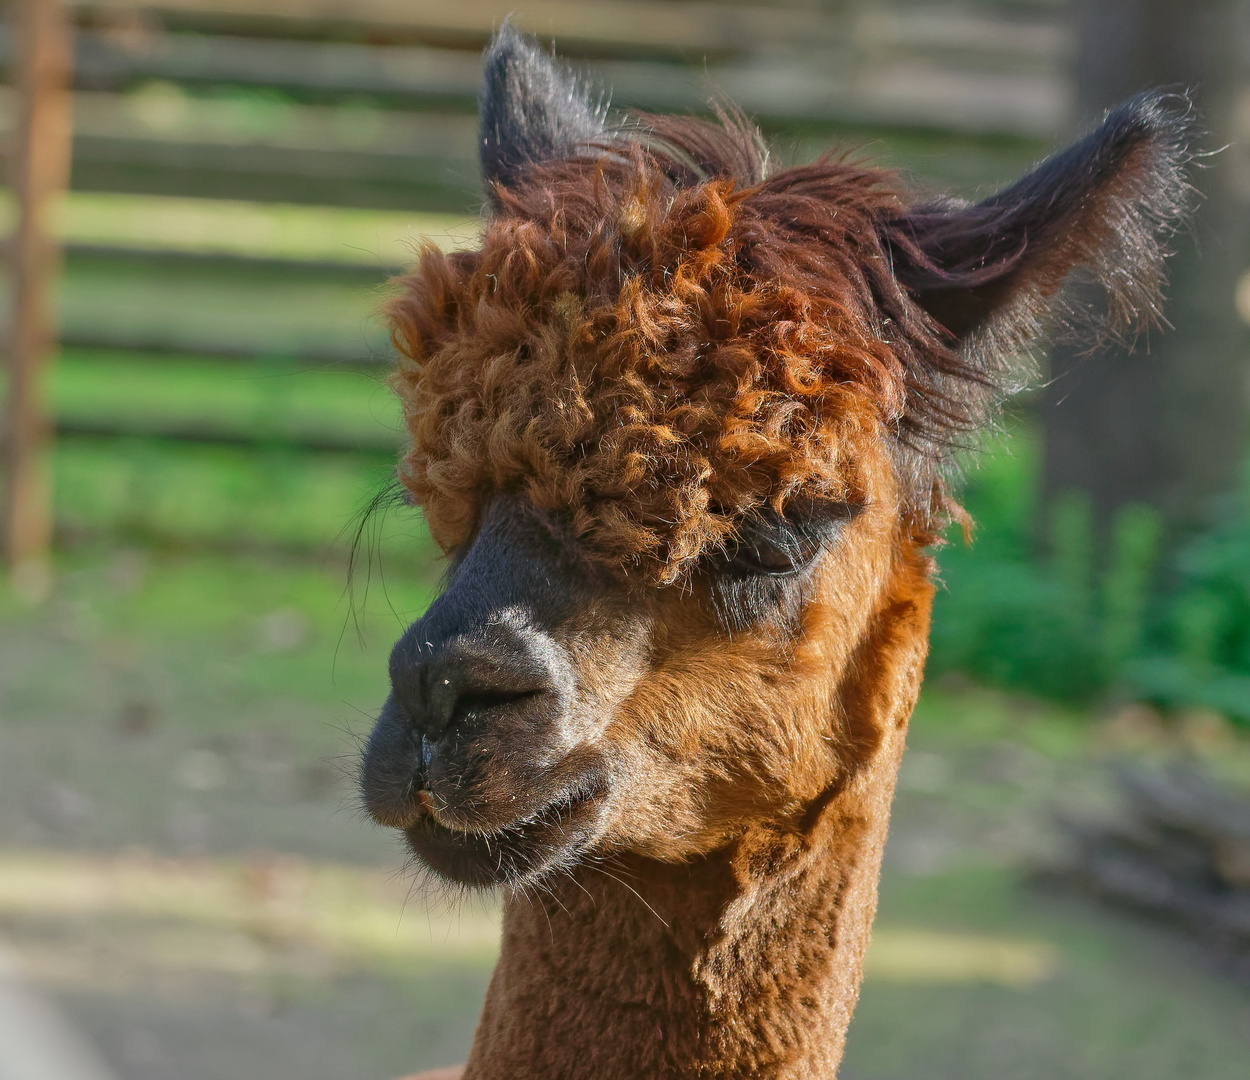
x,y
514,855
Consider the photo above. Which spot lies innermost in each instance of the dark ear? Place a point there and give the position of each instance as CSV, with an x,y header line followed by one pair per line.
x,y
532,110
1104,207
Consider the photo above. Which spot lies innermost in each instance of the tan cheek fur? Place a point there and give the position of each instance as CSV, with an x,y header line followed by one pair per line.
x,y
724,730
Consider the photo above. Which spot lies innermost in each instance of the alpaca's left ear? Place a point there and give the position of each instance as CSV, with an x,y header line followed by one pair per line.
x,y
532,110
1104,207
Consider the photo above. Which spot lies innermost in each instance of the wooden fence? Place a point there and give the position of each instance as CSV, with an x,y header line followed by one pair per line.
x,y
370,103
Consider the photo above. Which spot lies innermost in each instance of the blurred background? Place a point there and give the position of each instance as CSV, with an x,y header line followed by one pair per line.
x,y
205,201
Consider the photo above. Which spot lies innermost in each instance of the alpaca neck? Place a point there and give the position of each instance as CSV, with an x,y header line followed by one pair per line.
x,y
746,963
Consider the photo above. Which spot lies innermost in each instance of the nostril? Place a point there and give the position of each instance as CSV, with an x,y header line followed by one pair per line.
x,y
479,678
476,702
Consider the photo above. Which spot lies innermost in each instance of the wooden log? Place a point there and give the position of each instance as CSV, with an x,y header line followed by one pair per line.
x,y
40,171
1187,801
1129,878
1179,856
1172,852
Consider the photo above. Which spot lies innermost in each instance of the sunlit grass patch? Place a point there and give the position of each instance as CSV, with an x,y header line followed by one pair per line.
x,y
243,916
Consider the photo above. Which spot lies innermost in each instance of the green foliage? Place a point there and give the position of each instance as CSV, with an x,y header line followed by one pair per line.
x,y
266,493
1007,614
1201,651
1126,587
1032,606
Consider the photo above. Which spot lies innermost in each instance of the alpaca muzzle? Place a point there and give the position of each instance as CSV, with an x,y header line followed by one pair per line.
x,y
474,755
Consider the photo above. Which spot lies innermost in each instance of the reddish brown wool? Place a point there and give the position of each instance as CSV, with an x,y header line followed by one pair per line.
x,y
659,360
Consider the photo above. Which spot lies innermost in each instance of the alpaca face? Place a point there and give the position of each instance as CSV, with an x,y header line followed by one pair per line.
x,y
546,710
683,430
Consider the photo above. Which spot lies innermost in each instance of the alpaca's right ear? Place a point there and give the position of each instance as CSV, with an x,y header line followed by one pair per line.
x,y
533,110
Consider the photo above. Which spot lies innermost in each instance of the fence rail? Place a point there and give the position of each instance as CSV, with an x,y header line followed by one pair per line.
x,y
975,69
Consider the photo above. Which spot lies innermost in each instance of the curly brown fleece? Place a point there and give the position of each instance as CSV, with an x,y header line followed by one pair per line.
x,y
656,359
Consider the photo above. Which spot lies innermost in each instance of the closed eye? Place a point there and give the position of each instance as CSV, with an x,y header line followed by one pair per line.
x,y
777,545
756,554
760,577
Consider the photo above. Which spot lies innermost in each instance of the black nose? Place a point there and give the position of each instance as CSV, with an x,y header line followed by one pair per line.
x,y
440,685
494,692
481,693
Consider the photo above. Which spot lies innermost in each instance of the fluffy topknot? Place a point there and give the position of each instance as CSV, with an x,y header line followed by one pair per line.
x,y
654,357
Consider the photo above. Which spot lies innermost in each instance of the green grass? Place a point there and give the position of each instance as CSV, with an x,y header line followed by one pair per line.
x,y
1124,1006
174,606
188,496
141,660
272,399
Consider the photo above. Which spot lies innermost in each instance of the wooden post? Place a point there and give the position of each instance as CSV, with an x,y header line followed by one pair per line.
x,y
39,156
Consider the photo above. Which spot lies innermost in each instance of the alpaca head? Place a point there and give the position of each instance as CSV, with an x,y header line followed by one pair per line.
x,y
682,429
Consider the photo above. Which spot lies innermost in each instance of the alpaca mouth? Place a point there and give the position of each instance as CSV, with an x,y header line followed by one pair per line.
x,y
549,839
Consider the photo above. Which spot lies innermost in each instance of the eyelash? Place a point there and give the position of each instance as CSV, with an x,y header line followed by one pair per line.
x,y
761,578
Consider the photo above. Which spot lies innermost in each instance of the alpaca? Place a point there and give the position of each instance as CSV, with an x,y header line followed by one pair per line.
x,y
684,429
